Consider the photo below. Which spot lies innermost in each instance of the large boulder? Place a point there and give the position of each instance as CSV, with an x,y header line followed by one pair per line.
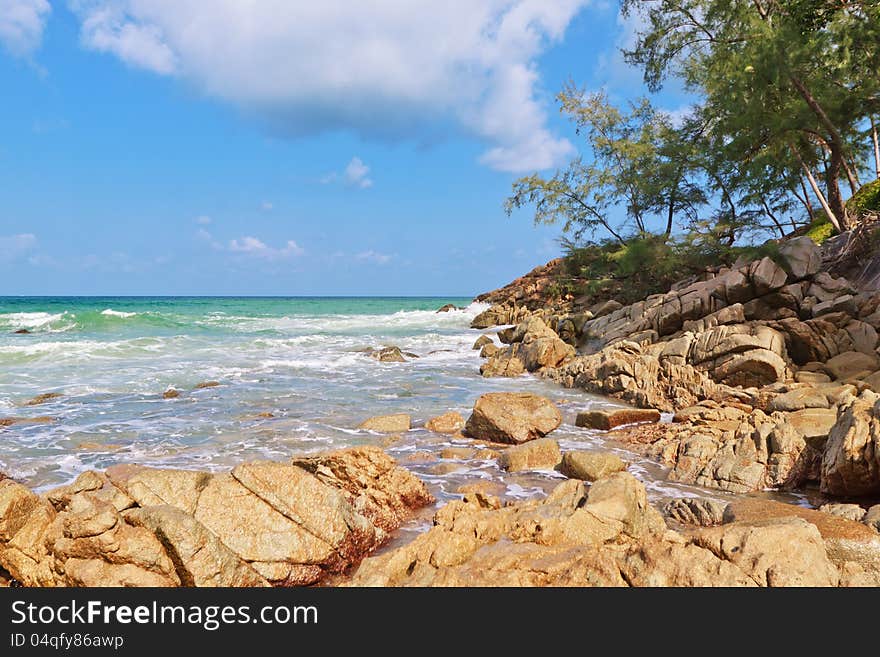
x,y
802,257
852,363
851,462
265,522
511,417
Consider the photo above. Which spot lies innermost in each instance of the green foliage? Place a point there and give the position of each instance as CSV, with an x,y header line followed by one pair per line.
x,y
820,229
867,199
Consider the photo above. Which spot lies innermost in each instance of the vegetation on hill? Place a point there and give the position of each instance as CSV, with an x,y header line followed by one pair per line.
x,y
783,129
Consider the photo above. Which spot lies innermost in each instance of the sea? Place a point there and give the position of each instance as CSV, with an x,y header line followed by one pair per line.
x,y
293,376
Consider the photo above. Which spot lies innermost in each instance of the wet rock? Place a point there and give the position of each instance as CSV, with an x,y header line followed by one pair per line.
x,y
848,511
388,355
508,417
42,399
395,423
851,461
206,384
447,308
22,331
490,350
9,421
590,466
701,512
171,393
607,420
540,454
450,422
482,341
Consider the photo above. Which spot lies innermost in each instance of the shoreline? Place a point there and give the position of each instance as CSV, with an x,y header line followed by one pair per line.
x,y
416,526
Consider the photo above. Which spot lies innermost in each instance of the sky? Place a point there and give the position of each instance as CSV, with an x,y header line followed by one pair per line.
x,y
279,147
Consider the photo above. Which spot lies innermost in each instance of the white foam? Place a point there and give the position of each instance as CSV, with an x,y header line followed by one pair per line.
x,y
109,312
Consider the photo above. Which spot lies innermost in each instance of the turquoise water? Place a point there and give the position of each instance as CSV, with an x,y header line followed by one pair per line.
x,y
294,378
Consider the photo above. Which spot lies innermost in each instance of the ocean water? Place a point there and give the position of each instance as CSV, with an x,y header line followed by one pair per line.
x,y
294,379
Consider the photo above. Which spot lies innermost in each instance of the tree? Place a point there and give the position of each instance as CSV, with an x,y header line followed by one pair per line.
x,y
794,80
640,166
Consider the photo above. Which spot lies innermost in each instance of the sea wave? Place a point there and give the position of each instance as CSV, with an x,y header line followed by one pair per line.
x,y
109,312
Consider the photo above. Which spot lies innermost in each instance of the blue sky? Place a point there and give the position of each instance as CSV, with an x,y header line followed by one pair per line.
x,y
152,147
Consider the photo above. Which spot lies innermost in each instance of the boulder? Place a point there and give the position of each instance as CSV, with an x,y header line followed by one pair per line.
x,y
864,337
813,423
590,466
773,552
697,511
802,257
388,355
490,350
842,304
851,461
206,384
447,308
845,540
504,362
540,454
766,276
171,393
850,363
798,399
200,558
872,517
544,352
450,422
849,511
394,423
482,341
508,417
607,420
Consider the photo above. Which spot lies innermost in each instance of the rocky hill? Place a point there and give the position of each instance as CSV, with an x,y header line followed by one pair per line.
x,y
770,367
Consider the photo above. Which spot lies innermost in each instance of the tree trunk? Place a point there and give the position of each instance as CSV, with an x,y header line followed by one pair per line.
x,y
669,215
818,192
851,175
806,200
876,146
770,214
836,151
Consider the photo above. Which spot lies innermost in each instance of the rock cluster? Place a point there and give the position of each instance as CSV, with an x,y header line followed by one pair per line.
x,y
771,367
263,523
608,534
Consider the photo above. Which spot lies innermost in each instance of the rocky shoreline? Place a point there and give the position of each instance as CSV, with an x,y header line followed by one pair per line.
x,y
761,377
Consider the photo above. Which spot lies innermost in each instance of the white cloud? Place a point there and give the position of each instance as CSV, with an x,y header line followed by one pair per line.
x,y
253,246
13,246
21,25
356,174
203,220
386,68
373,257
267,206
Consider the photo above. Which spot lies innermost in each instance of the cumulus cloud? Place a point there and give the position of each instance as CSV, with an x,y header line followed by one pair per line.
x,y
389,68
373,257
13,246
21,25
357,174
253,246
